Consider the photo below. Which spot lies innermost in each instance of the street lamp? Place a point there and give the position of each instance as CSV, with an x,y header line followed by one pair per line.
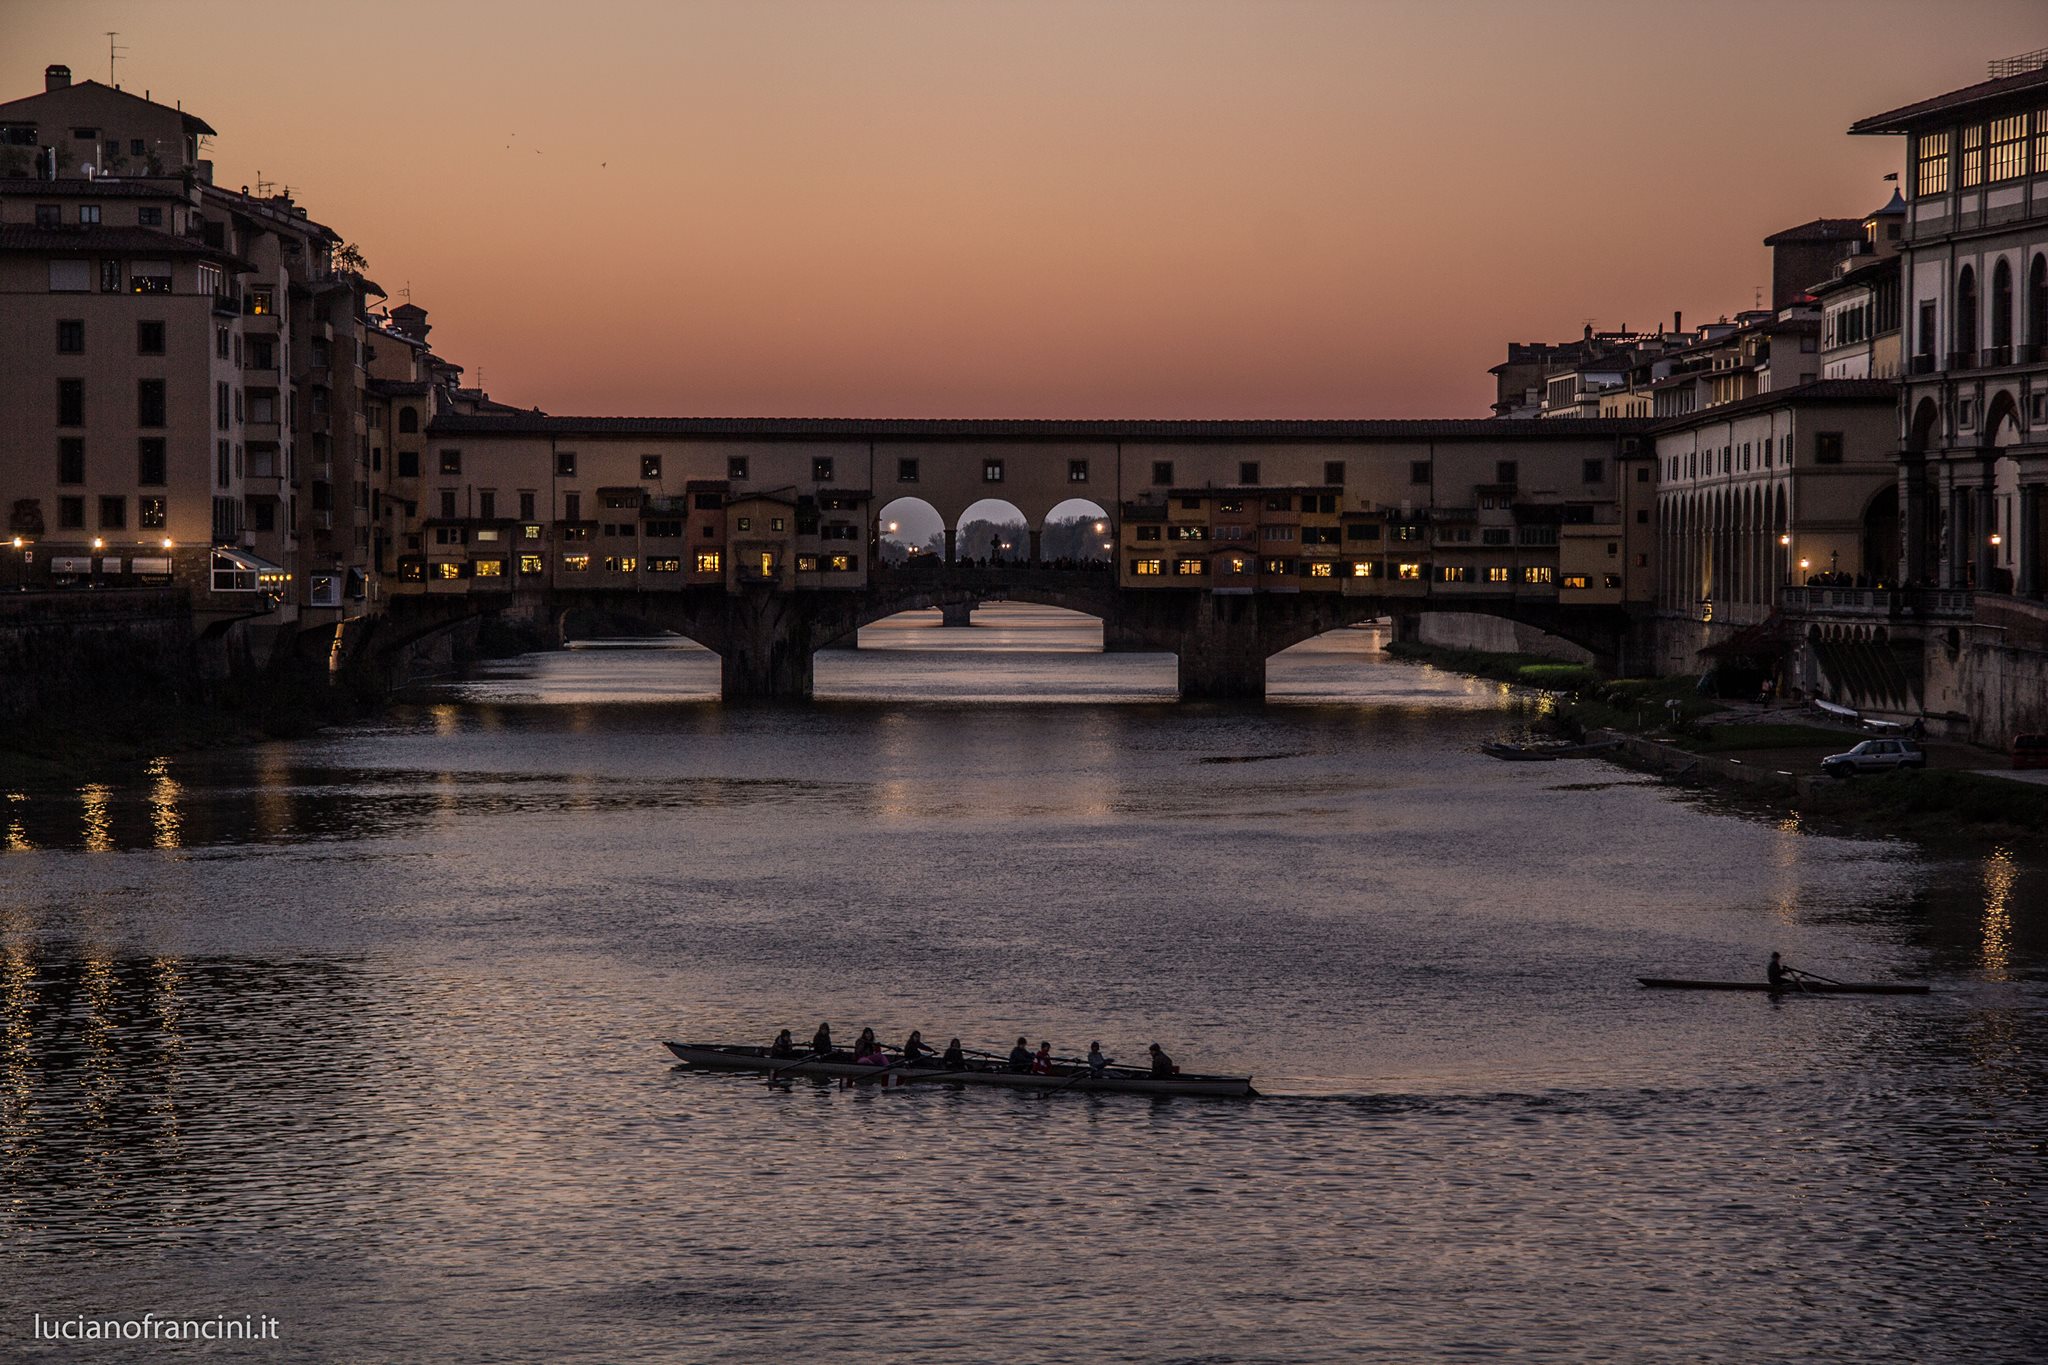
x,y
98,544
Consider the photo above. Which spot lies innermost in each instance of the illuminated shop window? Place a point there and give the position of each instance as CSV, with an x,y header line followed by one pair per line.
x,y
708,561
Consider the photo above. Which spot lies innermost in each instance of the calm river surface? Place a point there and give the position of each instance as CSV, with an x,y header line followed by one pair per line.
x,y
362,1032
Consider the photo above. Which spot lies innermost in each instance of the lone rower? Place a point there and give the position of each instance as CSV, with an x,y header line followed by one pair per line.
x,y
1020,1056
1776,973
1162,1065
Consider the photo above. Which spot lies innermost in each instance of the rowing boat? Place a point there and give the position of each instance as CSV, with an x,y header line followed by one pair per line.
x,y
1791,987
1114,1081
1520,753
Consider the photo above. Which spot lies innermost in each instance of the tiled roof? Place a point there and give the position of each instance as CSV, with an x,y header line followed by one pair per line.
x,y
1908,116
1820,230
124,241
872,428
1820,391
142,187
192,123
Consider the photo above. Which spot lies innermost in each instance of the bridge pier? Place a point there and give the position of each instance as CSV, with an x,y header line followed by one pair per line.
x,y
1035,534
1222,651
769,639
956,613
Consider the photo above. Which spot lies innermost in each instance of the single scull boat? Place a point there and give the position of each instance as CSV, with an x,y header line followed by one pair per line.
x,y
1809,986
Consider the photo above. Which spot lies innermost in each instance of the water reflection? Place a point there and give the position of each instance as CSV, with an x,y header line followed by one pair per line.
x,y
99,830
2001,871
163,804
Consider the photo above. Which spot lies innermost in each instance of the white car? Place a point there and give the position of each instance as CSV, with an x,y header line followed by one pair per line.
x,y
1874,756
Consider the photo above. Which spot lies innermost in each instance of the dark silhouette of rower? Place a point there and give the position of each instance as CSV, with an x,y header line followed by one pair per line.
x,y
821,1041
1775,973
955,1059
1162,1065
1020,1056
784,1045
915,1053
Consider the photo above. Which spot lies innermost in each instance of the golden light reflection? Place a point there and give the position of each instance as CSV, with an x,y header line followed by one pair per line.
x,y
99,829
17,832
167,979
166,825
17,997
2001,871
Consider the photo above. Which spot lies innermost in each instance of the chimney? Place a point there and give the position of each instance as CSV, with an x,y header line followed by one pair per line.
x,y
56,76
1677,321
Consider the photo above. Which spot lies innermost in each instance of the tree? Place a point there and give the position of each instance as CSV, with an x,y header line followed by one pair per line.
x,y
348,257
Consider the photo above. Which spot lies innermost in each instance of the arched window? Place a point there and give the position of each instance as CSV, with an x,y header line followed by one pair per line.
x,y
408,420
1966,318
2001,307
2037,306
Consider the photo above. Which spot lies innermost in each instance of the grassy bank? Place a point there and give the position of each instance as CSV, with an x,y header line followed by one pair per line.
x,y
1931,806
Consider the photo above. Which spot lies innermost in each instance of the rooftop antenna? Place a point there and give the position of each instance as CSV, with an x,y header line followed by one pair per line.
x,y
264,187
406,292
1759,297
114,50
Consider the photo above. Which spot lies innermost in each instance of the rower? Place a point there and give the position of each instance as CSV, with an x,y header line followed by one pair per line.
x,y
1097,1063
1162,1065
915,1052
956,1058
783,1046
1020,1056
821,1041
1775,973
1041,1064
866,1049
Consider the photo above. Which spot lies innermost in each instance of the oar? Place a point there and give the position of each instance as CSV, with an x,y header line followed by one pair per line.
x,y
776,1074
880,1072
1815,976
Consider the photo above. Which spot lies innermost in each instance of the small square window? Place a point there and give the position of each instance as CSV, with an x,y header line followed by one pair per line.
x,y
451,462
149,217
1247,471
1418,471
113,514
137,147
736,467
991,471
70,336
1077,471
70,514
1505,471
1162,473
1333,472
1593,471
89,214
149,338
906,471
49,215
650,466
821,469
565,464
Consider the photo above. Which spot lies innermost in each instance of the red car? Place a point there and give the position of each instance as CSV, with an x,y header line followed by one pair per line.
x,y
2030,751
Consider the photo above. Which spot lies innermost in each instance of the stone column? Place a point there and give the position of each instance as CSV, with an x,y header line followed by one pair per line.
x,y
950,535
1222,655
1035,533
1987,521
767,654
956,613
2026,535
1948,518
1912,520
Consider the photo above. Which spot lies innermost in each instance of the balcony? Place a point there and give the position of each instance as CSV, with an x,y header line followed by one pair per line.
x,y
1887,604
257,376
1962,360
227,305
1923,364
1997,356
268,433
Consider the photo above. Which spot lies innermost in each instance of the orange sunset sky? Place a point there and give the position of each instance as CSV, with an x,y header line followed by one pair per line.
x,y
1038,208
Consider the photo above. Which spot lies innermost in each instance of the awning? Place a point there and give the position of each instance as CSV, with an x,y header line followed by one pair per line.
x,y
240,571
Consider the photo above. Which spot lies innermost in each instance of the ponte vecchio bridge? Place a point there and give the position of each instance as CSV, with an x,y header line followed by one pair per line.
x,y
1223,542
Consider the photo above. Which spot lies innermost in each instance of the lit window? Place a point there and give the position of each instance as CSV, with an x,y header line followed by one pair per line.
x,y
529,564
1576,580
1323,568
746,523
1497,574
575,563
991,471
665,564
1409,573
1361,568
1973,156
1536,573
530,532
775,523
1235,565
621,563
490,568
447,569
2009,147
1189,568
840,563
260,304
1453,573
1933,178
1146,568
707,561
806,563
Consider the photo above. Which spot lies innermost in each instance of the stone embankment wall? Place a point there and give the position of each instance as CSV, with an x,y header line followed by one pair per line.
x,y
72,649
1992,670
1494,635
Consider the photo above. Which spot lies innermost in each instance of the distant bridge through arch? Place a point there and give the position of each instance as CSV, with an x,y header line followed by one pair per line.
x,y
766,640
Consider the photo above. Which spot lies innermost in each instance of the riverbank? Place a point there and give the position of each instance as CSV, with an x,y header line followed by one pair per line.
x,y
1769,756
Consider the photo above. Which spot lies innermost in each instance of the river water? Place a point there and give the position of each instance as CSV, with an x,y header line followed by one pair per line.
x,y
362,1032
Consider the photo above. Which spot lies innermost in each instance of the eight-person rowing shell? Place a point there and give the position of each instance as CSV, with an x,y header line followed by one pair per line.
x,y
1024,1068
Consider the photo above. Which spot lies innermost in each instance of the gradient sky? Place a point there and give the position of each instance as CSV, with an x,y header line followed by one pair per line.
x,y
1039,208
